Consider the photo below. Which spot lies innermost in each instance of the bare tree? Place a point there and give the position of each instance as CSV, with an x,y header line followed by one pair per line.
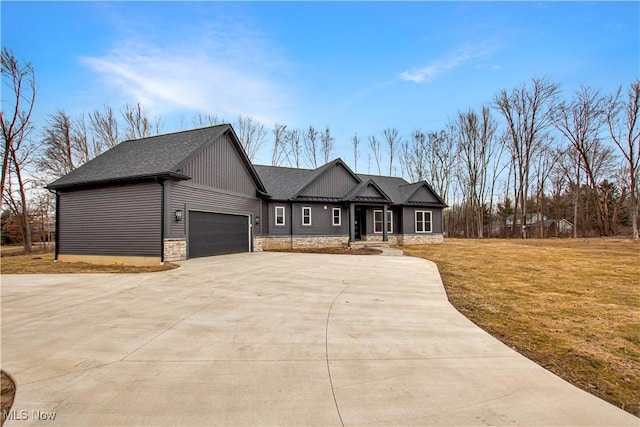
x,y
252,134
205,120
580,121
475,146
526,111
441,149
392,139
22,154
294,152
374,147
61,144
279,152
543,167
355,141
326,144
104,128
137,122
413,156
310,138
623,122
20,94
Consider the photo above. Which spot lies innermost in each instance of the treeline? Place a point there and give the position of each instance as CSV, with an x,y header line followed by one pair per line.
x,y
529,150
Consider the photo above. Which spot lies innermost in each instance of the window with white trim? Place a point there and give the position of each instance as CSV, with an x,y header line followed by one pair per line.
x,y
306,215
280,219
423,221
377,221
336,216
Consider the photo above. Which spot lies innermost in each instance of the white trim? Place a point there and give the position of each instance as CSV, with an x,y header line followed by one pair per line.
x,y
389,221
284,219
306,216
423,222
333,217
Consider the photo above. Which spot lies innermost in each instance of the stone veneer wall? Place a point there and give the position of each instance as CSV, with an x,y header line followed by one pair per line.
x,y
392,239
296,242
418,239
175,249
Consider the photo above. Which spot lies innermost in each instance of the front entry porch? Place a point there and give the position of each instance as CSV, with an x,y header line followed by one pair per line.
x,y
362,227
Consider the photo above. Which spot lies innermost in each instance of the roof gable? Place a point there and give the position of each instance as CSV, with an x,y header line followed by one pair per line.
x,y
368,191
421,194
332,180
161,156
222,163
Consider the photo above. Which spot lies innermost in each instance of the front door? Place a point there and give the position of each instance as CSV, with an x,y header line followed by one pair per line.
x,y
359,223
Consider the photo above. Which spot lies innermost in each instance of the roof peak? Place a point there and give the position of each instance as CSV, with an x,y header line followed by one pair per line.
x,y
200,129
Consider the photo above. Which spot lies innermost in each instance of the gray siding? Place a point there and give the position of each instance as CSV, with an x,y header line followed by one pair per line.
x,y
423,195
117,220
321,220
184,196
336,182
219,165
409,220
369,191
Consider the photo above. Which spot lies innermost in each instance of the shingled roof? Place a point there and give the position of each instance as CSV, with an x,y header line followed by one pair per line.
x,y
159,156
283,183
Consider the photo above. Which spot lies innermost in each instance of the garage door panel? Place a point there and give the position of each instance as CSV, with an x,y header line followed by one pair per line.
x,y
217,234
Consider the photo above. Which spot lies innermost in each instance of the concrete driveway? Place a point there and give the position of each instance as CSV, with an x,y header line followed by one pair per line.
x,y
270,339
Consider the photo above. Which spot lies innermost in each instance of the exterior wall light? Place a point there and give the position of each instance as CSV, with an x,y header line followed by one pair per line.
x,y
257,220
179,215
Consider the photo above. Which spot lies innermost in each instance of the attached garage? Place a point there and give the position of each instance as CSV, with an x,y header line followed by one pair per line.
x,y
164,198
212,233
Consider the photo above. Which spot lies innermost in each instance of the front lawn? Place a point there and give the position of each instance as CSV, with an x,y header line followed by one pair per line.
x,y
42,263
573,306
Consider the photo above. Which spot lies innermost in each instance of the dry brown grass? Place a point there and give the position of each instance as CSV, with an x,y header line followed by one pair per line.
x,y
573,306
42,263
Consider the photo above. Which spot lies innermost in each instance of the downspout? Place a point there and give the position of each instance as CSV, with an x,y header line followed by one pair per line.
x,y
291,223
56,245
162,221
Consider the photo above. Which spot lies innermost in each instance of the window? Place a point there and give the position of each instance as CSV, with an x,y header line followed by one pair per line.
x,y
423,221
377,221
279,215
306,215
337,216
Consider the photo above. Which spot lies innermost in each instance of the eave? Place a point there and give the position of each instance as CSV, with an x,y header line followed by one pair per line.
x,y
176,176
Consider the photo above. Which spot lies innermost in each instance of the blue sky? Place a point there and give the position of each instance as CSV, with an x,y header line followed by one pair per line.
x,y
357,67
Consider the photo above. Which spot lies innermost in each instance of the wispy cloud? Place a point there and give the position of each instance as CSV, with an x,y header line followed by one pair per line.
x,y
446,64
209,72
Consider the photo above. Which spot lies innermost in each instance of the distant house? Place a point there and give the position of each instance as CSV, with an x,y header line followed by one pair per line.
x,y
551,227
195,193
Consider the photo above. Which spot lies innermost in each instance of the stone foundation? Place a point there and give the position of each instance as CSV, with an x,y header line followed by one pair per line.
x,y
420,239
392,239
299,242
175,249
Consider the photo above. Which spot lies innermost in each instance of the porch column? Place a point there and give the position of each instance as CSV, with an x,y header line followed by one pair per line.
x,y
352,222
385,238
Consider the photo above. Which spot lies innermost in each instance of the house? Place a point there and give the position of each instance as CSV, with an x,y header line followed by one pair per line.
x,y
534,221
195,193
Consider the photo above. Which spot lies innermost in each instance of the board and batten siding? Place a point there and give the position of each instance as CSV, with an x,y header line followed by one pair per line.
x,y
184,196
369,191
423,195
335,182
219,165
116,220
